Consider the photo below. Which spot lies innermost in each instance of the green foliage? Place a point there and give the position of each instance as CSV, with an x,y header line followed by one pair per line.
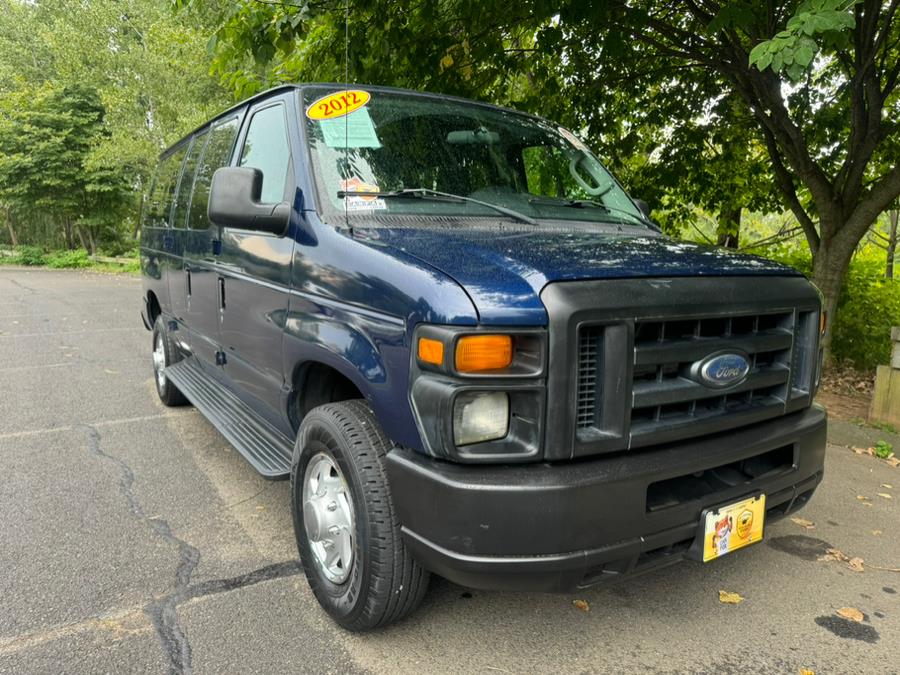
x,y
141,66
29,255
869,306
883,449
815,23
68,259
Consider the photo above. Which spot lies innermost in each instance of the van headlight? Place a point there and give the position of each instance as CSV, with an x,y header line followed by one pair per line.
x,y
480,416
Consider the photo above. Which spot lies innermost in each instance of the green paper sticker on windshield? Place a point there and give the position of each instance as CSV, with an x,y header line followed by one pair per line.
x,y
355,130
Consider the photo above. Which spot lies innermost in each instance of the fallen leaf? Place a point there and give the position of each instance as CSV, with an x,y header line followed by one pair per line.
x,y
807,671
851,613
861,498
728,598
260,508
804,523
856,564
833,554
876,532
893,461
887,486
110,372
859,451
582,605
884,495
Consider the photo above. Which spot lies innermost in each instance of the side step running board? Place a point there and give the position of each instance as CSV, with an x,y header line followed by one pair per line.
x,y
267,449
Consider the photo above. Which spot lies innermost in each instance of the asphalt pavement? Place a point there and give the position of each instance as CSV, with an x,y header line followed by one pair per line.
x,y
133,539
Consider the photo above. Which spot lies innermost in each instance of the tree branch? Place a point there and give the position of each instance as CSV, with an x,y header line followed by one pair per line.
x,y
785,183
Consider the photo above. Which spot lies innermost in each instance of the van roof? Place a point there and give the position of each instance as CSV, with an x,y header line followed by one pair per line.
x,y
368,87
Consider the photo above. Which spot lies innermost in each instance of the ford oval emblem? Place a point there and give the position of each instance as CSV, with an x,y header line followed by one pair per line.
x,y
723,369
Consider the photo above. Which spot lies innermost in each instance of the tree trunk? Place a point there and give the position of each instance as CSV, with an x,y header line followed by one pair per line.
x,y
67,230
892,245
728,230
92,241
830,264
14,240
80,234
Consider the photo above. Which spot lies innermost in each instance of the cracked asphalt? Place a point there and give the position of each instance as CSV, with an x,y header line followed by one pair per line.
x,y
134,539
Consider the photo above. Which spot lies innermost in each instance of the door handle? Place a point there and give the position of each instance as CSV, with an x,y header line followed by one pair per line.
x,y
222,293
187,282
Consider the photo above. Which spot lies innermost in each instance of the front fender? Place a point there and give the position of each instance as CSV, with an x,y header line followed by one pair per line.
x,y
367,348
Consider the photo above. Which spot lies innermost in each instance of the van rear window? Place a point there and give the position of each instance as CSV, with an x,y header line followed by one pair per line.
x,y
160,204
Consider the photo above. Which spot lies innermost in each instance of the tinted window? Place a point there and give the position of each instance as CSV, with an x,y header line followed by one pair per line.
x,y
187,181
160,203
215,155
266,148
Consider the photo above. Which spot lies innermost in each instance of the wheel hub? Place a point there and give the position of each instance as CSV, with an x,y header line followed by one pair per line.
x,y
328,518
159,360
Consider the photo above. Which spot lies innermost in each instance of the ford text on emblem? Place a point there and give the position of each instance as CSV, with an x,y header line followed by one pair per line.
x,y
721,370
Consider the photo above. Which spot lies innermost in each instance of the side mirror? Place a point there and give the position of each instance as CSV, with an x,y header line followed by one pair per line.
x,y
234,202
643,206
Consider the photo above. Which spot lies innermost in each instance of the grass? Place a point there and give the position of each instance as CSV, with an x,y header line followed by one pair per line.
x,y
33,256
881,426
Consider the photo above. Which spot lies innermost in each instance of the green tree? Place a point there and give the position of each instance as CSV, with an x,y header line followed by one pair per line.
x,y
149,68
46,136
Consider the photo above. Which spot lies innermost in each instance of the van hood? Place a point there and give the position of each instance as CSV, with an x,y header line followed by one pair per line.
x,y
504,270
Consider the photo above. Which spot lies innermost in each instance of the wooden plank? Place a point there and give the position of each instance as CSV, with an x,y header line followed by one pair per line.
x,y
886,401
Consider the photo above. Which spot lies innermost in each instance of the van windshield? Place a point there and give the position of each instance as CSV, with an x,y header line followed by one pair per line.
x,y
390,153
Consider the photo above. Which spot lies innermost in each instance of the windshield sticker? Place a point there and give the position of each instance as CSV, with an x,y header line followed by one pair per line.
x,y
573,139
355,130
338,104
362,202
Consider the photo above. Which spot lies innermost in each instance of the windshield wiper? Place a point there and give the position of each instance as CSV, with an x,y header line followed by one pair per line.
x,y
582,203
427,193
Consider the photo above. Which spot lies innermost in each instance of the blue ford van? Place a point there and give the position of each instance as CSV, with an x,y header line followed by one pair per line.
x,y
469,349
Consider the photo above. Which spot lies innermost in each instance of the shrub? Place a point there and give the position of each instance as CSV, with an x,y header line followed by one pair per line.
x,y
68,259
869,305
29,255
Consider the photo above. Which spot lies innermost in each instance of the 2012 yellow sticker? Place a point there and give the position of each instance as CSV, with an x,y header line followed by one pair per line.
x,y
338,104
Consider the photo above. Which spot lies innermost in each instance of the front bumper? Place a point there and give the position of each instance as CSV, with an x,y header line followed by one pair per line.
x,y
556,527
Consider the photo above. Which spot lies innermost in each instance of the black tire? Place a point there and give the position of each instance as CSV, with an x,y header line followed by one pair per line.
x,y
168,392
384,583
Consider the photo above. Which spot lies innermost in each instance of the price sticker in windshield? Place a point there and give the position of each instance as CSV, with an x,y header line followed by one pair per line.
x,y
338,104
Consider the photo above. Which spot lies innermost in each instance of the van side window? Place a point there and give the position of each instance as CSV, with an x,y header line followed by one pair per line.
x,y
183,195
215,155
266,148
163,188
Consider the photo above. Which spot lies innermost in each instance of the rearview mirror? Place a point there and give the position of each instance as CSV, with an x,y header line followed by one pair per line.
x,y
479,136
234,202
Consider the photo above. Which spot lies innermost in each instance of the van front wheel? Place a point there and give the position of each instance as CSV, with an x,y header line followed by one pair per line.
x,y
347,533
165,354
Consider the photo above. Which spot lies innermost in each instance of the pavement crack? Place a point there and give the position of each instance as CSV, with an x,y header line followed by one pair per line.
x,y
162,611
280,570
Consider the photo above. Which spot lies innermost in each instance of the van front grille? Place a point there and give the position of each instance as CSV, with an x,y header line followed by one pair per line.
x,y
668,400
630,359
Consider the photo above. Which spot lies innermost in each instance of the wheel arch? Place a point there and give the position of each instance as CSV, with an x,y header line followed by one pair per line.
x,y
316,382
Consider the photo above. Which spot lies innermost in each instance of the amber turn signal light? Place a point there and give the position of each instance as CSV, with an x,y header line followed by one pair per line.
x,y
431,351
476,353
823,322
